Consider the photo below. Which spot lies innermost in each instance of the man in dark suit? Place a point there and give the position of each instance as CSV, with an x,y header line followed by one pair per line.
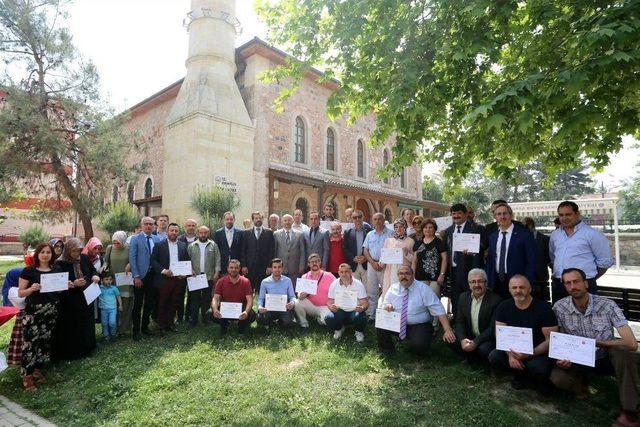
x,y
316,240
460,263
258,249
489,229
543,261
290,249
512,250
352,246
474,319
229,241
166,252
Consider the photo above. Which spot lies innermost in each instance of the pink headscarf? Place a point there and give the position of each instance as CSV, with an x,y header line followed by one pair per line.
x,y
88,248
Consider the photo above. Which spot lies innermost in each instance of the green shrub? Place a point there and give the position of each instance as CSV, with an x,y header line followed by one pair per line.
x,y
34,235
211,203
119,216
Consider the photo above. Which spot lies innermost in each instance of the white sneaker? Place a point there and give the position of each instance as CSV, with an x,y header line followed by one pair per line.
x,y
304,325
359,336
338,334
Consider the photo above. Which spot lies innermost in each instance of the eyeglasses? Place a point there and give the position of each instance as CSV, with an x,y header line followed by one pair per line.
x,y
356,216
479,282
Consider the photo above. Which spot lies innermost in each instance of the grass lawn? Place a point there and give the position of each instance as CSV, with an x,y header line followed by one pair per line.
x,y
8,265
195,377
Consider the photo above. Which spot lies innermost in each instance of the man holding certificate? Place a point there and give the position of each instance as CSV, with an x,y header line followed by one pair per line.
x,y
165,253
276,298
310,303
524,312
205,259
233,290
591,316
417,305
347,301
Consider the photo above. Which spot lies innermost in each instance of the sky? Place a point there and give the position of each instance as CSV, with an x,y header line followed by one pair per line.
x,y
140,46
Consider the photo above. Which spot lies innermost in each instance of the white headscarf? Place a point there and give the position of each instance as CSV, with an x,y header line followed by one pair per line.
x,y
120,236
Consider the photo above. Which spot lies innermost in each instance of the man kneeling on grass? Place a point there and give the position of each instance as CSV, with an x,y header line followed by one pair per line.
x,y
347,302
233,288
417,305
279,290
592,316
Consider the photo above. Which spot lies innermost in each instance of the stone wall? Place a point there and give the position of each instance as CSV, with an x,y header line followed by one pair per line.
x,y
629,248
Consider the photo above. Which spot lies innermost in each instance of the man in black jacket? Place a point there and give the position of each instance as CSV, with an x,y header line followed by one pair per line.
x,y
474,319
229,241
258,249
352,246
166,252
543,261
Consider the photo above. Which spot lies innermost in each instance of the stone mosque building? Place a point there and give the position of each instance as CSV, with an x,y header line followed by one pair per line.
x,y
217,126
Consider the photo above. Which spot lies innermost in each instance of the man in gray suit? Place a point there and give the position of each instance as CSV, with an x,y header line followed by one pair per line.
x,y
316,240
290,249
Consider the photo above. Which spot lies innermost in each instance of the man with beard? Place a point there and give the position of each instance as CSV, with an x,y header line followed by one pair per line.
x,y
233,288
314,305
258,249
205,259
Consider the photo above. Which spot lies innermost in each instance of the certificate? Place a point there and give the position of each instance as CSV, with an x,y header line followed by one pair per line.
x,y
92,292
198,282
124,279
307,285
391,256
230,310
389,320
443,222
466,242
514,338
181,268
346,300
573,348
54,282
274,302
347,226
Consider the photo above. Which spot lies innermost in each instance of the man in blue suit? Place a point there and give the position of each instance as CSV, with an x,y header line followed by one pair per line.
x,y
512,250
144,293
229,241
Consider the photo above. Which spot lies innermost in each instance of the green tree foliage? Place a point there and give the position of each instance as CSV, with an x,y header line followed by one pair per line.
x,y
432,189
212,202
501,83
120,215
58,139
34,235
630,201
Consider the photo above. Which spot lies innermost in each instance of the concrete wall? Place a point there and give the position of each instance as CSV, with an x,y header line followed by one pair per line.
x,y
629,248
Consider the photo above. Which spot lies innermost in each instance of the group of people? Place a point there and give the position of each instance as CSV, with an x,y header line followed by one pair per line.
x,y
504,282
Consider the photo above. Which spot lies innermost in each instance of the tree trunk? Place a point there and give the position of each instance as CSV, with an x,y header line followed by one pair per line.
x,y
86,223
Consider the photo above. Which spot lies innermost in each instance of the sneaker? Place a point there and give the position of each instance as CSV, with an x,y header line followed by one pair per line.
x,y
359,336
338,334
304,325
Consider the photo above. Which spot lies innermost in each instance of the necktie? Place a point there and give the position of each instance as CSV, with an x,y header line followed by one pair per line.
x,y
313,234
403,315
258,230
287,239
456,255
502,273
149,243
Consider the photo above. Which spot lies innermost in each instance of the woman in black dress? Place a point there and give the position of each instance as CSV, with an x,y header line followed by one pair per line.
x,y
430,262
39,318
74,336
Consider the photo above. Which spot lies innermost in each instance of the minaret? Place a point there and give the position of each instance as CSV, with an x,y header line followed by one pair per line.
x,y
209,135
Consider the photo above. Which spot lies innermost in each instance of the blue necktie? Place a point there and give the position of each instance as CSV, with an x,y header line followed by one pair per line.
x,y
149,243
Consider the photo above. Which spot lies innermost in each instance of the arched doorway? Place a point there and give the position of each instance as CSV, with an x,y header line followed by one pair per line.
x,y
363,206
303,205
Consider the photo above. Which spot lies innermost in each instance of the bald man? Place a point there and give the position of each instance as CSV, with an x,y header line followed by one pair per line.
x,y
205,259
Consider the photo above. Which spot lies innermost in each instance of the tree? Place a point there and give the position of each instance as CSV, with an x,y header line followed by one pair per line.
x,y
71,148
500,83
630,201
120,215
212,202
432,189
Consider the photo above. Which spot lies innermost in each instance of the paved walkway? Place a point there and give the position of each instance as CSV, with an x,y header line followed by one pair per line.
x,y
12,414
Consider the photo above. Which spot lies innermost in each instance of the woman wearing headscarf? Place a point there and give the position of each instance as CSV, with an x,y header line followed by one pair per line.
x,y
398,240
116,260
93,251
58,247
74,336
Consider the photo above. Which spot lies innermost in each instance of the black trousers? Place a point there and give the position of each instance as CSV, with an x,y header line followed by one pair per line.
x,y
537,368
456,289
285,318
501,288
144,302
418,338
242,324
559,291
480,354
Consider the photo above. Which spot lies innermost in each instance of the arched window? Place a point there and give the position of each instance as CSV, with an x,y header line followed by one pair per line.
x,y
360,159
148,188
303,205
114,194
403,178
385,162
300,141
130,193
331,150
388,216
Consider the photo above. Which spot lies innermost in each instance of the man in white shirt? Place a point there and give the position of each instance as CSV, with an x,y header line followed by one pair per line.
x,y
347,301
297,221
417,305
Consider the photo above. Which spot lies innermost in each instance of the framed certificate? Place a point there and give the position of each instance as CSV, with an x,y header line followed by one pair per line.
x,y
389,320
54,282
573,348
514,338
198,282
274,302
230,310
307,285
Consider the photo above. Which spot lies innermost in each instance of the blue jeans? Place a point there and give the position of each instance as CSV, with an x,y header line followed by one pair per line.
x,y
109,324
339,319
